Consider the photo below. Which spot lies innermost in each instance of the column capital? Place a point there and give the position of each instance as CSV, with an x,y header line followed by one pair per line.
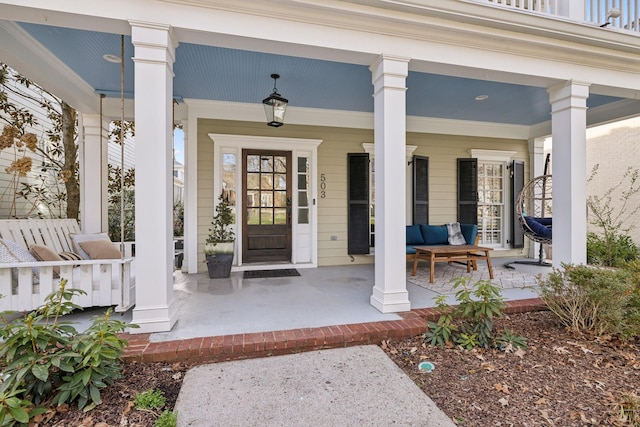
x,y
390,71
153,42
568,89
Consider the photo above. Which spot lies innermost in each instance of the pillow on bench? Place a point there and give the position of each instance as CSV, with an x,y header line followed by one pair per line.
x,y
435,234
43,253
414,236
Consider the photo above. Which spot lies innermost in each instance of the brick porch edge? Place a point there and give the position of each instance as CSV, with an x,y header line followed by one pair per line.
x,y
263,344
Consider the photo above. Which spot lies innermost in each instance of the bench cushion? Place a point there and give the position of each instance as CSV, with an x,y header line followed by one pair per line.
x,y
435,234
414,236
536,225
469,231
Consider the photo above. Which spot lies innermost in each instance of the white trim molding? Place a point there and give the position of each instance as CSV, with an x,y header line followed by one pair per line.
x,y
298,147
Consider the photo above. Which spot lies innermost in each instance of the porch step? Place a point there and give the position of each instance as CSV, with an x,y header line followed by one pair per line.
x,y
264,344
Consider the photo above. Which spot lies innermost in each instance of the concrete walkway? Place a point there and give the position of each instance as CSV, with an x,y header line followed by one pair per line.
x,y
354,386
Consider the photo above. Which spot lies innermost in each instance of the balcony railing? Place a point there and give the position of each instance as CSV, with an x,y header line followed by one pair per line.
x,y
622,14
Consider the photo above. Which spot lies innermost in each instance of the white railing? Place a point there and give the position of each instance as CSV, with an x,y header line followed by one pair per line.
x,y
549,7
621,14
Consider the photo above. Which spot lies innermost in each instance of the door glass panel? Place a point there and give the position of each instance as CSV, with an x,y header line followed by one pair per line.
x,y
253,181
280,216
280,182
280,164
266,216
266,181
303,216
302,184
303,199
303,165
280,199
253,216
253,198
266,199
267,164
253,163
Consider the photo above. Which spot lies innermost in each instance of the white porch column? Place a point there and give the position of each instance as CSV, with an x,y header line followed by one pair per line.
x,y
93,173
569,153
536,168
155,45
389,76
190,128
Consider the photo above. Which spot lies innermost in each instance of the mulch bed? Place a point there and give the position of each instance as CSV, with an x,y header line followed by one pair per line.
x,y
560,380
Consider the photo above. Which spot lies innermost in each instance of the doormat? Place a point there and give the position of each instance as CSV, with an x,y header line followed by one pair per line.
x,y
263,274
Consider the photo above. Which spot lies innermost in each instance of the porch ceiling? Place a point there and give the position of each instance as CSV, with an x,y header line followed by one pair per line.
x,y
222,74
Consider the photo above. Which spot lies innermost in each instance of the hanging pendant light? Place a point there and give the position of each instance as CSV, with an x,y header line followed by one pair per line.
x,y
275,105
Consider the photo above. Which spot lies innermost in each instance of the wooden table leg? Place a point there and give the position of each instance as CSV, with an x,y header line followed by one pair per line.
x,y
489,264
432,267
415,264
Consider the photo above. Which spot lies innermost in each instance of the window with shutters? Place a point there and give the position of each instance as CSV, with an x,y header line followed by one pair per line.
x,y
494,199
361,177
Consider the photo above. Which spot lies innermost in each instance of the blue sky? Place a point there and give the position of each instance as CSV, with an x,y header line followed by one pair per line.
x,y
178,145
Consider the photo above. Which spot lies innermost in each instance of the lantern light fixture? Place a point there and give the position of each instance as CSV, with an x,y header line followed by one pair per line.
x,y
275,105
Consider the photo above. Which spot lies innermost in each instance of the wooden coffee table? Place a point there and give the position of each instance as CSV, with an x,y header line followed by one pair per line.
x,y
452,253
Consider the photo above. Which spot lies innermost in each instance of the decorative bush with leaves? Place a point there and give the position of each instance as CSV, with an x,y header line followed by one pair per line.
x,y
612,250
220,231
613,213
470,323
46,361
595,300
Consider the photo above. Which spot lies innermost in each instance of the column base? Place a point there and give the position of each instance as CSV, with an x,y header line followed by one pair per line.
x,y
390,302
154,319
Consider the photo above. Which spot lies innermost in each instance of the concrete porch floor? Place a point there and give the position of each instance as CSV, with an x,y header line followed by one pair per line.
x,y
324,307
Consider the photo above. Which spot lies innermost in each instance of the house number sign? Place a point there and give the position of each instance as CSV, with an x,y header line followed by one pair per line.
x,y
323,186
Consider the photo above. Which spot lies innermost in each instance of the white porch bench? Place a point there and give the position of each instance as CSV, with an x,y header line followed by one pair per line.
x,y
107,282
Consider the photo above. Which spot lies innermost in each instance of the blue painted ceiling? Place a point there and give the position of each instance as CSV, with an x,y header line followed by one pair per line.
x,y
215,73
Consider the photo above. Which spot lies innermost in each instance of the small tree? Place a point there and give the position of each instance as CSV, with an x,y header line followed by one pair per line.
x,y
614,218
220,231
54,182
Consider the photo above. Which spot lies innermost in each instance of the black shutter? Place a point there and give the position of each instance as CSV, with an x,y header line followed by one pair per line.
x,y
358,200
517,182
468,191
420,190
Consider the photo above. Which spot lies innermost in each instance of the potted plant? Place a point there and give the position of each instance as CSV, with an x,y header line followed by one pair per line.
x,y
219,245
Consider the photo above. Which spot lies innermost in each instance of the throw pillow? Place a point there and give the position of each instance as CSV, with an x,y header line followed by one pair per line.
x,y
78,238
434,234
414,236
100,249
70,256
43,253
455,234
12,252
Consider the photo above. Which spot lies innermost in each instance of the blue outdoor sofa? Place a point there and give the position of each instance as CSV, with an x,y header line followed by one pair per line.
x,y
426,235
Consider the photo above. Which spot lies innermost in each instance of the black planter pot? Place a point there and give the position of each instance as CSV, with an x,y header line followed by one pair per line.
x,y
219,265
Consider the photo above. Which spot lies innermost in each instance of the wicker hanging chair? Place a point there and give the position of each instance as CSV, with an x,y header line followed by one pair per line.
x,y
533,208
534,211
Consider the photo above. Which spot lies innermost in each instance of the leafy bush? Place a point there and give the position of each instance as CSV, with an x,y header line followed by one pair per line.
x,y
150,399
612,251
595,300
470,323
44,359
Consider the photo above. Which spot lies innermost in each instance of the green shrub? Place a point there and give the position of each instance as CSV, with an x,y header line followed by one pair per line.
x,y
150,399
43,357
612,251
470,323
595,300
167,419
